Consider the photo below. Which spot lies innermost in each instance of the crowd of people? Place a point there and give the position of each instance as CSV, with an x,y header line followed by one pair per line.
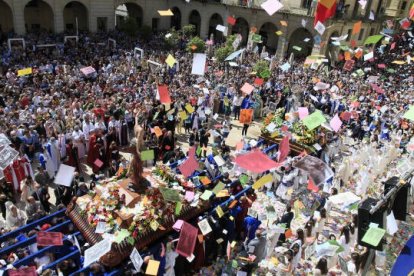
x,y
58,115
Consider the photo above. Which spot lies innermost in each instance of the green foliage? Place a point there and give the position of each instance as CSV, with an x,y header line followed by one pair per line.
x,y
173,39
223,52
188,30
145,32
199,44
129,26
230,39
260,67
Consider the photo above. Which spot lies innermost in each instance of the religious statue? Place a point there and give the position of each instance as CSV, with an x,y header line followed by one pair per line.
x,y
138,182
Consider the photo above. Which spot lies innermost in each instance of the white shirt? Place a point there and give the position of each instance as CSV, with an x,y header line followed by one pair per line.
x,y
100,125
87,128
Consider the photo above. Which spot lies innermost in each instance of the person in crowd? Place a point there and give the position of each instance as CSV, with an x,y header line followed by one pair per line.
x,y
41,193
321,267
42,177
15,217
32,207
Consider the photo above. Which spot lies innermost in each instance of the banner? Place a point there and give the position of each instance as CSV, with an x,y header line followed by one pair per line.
x,y
24,72
187,240
316,169
246,116
49,238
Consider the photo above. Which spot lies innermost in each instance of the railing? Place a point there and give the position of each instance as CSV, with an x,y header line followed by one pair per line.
x,y
31,226
32,240
29,259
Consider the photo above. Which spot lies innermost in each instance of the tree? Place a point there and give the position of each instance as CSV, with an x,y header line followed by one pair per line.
x,y
223,52
261,68
196,45
230,39
129,26
188,30
172,38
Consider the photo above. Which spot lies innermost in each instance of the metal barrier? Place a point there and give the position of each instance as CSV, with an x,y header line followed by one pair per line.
x,y
56,262
31,226
28,259
32,240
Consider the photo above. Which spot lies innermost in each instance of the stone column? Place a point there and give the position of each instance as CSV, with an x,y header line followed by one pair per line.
x,y
18,17
58,17
204,26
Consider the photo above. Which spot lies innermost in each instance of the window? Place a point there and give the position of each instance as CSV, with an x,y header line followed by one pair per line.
x,y
102,24
349,35
355,10
361,34
372,32
403,6
306,4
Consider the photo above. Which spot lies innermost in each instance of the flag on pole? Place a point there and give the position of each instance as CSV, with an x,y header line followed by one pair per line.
x,y
411,12
324,10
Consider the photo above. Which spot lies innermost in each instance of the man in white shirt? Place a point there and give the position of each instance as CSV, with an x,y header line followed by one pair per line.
x,y
87,128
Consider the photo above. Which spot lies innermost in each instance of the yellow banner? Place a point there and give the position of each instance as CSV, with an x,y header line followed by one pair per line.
x,y
24,72
262,181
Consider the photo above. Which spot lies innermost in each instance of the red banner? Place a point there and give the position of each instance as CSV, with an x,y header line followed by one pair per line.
x,y
27,271
187,241
49,238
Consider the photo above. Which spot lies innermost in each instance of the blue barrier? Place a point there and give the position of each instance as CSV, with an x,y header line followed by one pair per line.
x,y
70,255
31,226
28,259
31,240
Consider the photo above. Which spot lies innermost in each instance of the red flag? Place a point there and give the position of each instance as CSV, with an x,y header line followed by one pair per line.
x,y
258,81
284,149
324,10
164,94
231,20
411,12
312,186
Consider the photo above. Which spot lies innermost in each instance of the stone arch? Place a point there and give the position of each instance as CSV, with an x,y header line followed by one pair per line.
x,y
302,38
6,17
195,19
129,9
215,20
241,27
176,18
269,37
72,11
38,14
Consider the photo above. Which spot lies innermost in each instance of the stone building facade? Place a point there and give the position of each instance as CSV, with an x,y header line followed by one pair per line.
x,y
23,16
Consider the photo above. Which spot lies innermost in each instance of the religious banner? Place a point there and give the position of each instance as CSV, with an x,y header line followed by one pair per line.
x,y
49,238
26,271
315,168
187,240
7,155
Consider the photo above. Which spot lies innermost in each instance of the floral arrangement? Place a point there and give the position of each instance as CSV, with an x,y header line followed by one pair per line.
x,y
300,133
150,213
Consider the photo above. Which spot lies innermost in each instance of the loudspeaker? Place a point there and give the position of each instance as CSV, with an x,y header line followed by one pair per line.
x,y
400,200
365,219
